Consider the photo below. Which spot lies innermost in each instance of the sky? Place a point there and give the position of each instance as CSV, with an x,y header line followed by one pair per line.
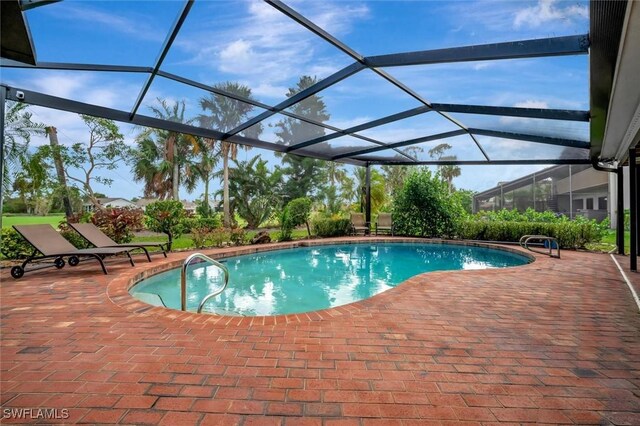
x,y
252,43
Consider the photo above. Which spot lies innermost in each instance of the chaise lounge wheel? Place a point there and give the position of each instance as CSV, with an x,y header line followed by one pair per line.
x,y
59,263
17,272
74,261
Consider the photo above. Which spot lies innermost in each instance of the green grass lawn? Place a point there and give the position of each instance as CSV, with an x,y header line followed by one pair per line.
x,y
8,221
608,242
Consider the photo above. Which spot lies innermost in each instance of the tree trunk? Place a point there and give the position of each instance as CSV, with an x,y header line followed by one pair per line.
x,y
206,196
225,192
176,172
62,180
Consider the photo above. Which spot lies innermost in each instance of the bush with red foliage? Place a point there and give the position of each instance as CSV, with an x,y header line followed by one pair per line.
x,y
119,222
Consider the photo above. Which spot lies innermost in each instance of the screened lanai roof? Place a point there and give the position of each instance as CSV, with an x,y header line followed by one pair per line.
x,y
389,101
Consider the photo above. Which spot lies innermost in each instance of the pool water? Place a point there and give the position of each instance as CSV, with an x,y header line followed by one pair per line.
x,y
311,278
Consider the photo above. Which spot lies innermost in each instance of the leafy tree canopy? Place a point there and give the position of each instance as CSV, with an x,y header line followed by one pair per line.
x,y
425,208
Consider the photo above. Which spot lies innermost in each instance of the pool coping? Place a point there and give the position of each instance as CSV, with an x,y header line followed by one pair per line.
x,y
118,289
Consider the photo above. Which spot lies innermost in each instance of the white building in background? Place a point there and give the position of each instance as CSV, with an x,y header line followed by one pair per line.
x,y
571,190
109,202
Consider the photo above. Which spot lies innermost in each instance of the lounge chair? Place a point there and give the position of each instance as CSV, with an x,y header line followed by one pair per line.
x,y
96,237
52,245
384,223
358,224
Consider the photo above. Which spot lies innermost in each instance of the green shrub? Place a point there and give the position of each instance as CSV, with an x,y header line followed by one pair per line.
x,y
329,227
219,236
188,224
570,234
238,236
13,245
165,216
295,213
529,215
425,208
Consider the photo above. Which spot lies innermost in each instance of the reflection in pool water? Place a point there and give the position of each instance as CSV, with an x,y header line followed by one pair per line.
x,y
308,279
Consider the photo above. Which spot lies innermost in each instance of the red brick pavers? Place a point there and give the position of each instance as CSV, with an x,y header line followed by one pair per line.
x,y
555,341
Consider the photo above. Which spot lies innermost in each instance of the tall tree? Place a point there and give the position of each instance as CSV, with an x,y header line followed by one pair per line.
x,y
224,114
32,182
447,171
104,149
394,177
162,155
52,132
19,127
202,169
378,193
305,176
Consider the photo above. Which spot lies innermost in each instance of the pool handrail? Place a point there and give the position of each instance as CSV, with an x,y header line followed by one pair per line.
x,y
553,243
183,280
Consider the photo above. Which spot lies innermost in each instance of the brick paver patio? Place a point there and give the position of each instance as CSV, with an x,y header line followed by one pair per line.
x,y
556,341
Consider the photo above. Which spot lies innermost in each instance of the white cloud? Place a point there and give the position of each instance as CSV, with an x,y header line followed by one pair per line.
x,y
269,90
265,48
525,104
547,11
137,26
481,65
532,104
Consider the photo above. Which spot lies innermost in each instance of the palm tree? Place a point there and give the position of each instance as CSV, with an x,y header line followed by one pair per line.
x,y
17,134
378,193
449,171
162,154
224,114
202,170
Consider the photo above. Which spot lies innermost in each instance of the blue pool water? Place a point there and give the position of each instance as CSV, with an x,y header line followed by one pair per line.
x,y
311,278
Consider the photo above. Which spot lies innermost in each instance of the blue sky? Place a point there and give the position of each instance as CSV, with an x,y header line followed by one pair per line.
x,y
254,44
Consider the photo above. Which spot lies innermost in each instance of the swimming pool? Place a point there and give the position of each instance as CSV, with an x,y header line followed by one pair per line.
x,y
307,279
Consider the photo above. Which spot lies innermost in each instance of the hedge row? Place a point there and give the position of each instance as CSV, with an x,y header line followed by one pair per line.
x,y
327,227
570,234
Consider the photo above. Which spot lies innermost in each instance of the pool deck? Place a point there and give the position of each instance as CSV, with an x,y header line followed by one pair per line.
x,y
556,341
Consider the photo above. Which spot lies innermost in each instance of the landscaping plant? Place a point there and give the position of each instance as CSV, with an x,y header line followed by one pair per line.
x,y
295,213
165,216
118,223
425,208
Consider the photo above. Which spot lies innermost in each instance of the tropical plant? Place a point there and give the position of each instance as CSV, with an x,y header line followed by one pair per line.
x,y
304,176
447,171
394,177
19,127
202,170
378,192
224,114
331,227
118,223
295,213
425,208
165,216
161,155
32,182
254,190
13,245
466,199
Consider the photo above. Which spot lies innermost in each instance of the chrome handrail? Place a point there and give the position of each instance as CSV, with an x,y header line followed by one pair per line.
x,y
525,239
183,280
